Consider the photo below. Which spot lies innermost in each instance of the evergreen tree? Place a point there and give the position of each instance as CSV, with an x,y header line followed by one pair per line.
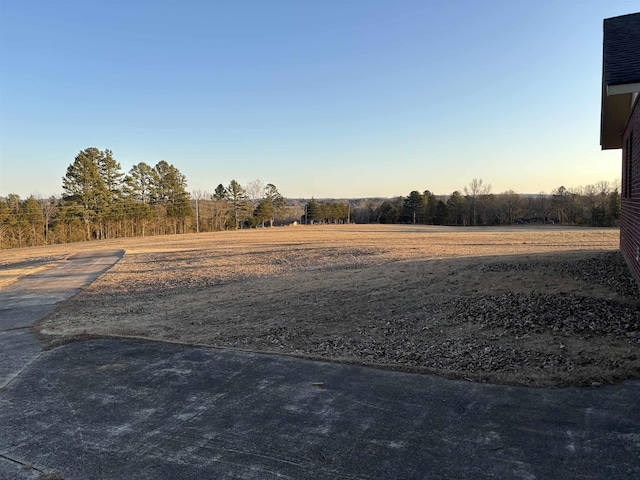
x,y
428,212
413,205
312,211
110,172
456,206
442,213
388,212
140,182
237,198
220,193
138,192
271,205
85,187
614,207
170,190
264,212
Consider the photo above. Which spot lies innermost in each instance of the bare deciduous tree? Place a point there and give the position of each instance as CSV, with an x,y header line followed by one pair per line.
x,y
255,191
197,196
510,204
474,190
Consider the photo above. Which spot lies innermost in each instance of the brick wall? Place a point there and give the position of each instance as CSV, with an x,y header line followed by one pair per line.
x,y
630,217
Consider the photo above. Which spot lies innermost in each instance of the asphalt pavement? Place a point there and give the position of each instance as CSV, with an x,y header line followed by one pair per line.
x,y
116,409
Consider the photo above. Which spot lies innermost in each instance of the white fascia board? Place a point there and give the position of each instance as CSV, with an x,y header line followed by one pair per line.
x,y
622,89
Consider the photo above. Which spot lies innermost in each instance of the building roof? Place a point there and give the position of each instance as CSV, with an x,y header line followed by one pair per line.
x,y
620,76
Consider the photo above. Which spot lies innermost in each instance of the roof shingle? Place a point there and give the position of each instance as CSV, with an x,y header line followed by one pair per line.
x,y
621,53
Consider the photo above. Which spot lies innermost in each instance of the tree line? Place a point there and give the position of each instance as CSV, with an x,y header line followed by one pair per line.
x,y
100,201
596,205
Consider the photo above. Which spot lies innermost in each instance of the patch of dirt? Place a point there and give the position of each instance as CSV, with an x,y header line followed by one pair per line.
x,y
525,306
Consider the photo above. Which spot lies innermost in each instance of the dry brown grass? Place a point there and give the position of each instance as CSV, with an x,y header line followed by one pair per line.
x,y
391,296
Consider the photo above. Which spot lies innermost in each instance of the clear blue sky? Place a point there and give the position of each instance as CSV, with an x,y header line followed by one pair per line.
x,y
350,98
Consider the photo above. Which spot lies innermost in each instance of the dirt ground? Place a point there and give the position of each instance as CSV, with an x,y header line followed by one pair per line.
x,y
543,306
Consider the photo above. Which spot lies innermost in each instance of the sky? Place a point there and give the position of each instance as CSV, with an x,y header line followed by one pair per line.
x,y
324,99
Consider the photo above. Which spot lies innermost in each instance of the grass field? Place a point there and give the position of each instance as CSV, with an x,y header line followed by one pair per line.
x,y
545,306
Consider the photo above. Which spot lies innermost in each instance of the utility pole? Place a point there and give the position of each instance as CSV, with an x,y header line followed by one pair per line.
x,y
197,217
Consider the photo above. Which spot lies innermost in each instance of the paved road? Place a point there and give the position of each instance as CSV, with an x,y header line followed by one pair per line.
x,y
108,409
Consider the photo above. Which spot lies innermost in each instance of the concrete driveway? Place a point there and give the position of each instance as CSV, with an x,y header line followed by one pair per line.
x,y
32,297
110,409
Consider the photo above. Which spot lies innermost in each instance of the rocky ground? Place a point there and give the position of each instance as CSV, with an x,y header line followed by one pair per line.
x,y
534,307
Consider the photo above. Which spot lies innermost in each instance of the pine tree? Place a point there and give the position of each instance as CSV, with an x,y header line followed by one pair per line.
x,y
237,197
111,175
313,211
271,205
170,190
220,193
138,192
85,187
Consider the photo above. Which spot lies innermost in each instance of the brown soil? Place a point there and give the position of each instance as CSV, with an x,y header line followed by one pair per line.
x,y
546,306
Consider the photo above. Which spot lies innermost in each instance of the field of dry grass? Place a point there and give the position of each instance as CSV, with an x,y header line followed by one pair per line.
x,y
539,306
